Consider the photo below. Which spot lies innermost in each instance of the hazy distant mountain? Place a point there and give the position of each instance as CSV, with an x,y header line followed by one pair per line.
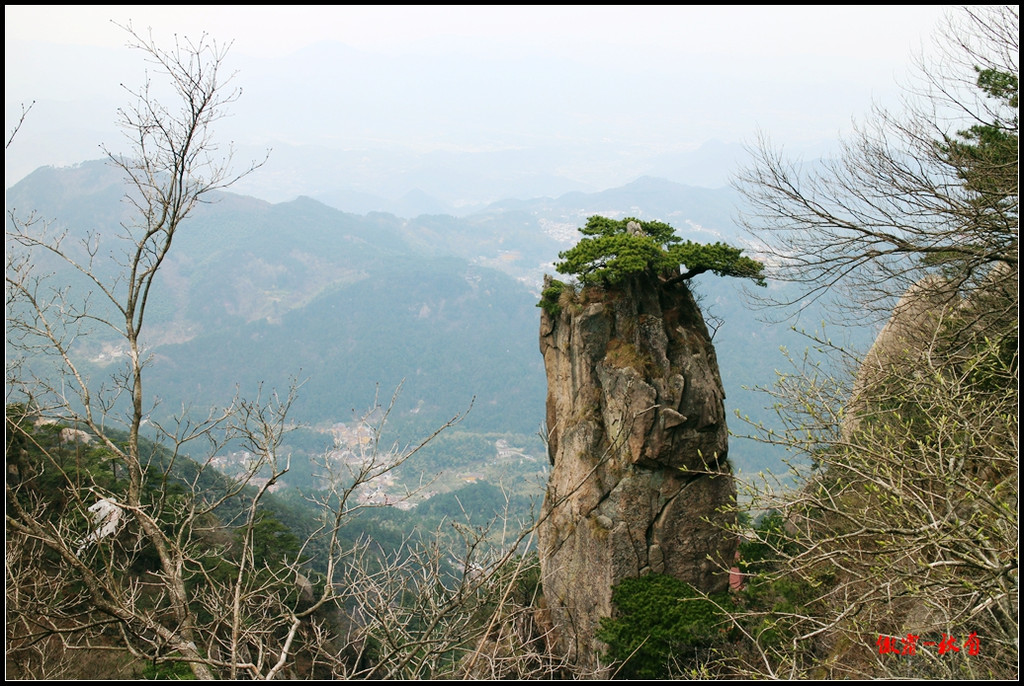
x,y
254,292
686,207
259,292
465,126
407,183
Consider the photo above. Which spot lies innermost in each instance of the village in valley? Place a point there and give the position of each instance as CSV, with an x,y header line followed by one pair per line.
x,y
356,456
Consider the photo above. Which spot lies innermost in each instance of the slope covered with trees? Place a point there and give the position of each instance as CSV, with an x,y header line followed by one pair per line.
x,y
343,302
898,554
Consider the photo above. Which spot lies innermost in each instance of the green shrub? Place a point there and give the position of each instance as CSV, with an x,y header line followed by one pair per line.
x,y
550,297
660,622
168,671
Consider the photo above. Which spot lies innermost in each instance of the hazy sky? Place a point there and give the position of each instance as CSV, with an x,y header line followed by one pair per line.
x,y
637,80
585,32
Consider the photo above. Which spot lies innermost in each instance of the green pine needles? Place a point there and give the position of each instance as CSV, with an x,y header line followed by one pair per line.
x,y
612,250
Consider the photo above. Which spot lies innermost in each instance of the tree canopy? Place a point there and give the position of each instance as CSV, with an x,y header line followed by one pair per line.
x,y
614,249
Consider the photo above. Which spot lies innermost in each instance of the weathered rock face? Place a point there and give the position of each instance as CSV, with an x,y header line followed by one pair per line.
x,y
638,443
900,344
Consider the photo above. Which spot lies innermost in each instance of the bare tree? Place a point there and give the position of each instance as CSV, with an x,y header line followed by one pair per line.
x,y
898,202
904,524
17,127
173,165
122,537
143,589
896,554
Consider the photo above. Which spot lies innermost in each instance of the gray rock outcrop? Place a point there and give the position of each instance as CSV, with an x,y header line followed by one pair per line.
x,y
638,442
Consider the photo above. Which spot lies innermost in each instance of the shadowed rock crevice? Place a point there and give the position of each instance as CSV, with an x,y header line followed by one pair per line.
x,y
638,443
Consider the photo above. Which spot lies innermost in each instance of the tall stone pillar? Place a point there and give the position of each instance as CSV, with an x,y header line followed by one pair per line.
x,y
638,443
